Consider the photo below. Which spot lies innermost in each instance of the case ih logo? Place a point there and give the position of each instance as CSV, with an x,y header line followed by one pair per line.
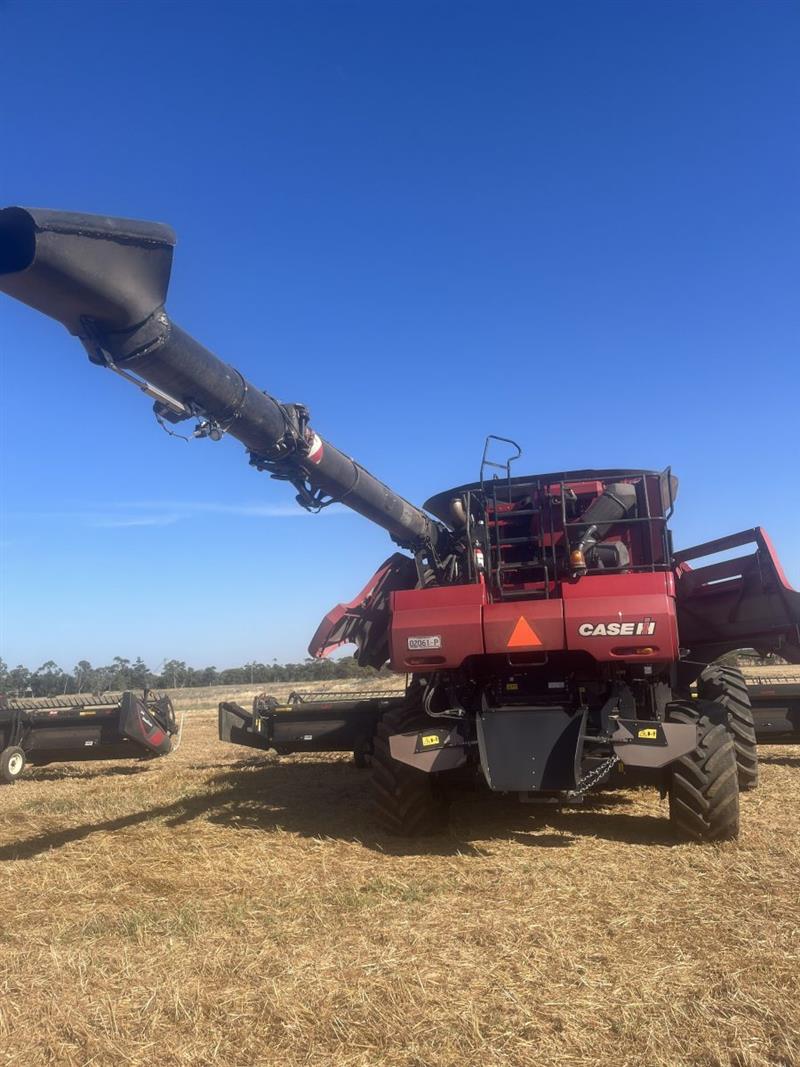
x,y
644,627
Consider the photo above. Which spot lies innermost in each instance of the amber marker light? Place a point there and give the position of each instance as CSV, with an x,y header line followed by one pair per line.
x,y
577,562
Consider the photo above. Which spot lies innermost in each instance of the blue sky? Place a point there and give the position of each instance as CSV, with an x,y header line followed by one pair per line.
x,y
571,224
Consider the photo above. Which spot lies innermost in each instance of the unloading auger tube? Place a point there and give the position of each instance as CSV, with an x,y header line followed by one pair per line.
x,y
106,280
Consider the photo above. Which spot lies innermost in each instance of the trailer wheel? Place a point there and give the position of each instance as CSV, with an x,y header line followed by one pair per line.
x,y
703,785
726,687
12,763
406,801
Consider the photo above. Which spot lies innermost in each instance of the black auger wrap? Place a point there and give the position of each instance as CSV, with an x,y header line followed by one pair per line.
x,y
106,280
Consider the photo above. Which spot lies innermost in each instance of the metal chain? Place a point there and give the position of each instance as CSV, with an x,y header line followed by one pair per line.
x,y
593,777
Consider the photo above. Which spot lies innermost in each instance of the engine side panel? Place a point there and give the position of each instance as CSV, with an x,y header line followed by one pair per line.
x,y
622,617
437,627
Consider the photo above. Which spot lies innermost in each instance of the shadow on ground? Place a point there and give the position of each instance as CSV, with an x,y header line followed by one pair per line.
x,y
331,799
67,772
788,760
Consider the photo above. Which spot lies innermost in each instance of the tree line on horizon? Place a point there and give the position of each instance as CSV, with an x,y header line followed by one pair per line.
x,y
51,680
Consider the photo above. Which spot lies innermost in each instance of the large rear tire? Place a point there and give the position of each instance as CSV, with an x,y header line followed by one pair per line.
x,y
726,687
406,802
703,785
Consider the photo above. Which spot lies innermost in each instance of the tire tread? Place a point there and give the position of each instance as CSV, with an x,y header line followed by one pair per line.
x,y
704,787
726,687
405,801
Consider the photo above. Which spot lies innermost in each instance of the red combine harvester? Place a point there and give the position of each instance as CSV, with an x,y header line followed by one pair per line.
x,y
549,631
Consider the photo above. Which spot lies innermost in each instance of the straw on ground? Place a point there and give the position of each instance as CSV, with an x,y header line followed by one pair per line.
x,y
220,907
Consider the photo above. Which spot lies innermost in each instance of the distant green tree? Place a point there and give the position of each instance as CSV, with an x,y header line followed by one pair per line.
x,y
234,676
84,674
139,674
173,675
208,676
120,673
49,680
19,681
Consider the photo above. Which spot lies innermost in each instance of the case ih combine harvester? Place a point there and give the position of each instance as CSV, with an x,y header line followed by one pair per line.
x,y
549,630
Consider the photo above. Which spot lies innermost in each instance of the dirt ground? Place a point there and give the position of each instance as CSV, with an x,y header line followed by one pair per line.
x,y
222,907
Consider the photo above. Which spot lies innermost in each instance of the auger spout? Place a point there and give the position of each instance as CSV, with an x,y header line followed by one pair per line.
x,y
106,280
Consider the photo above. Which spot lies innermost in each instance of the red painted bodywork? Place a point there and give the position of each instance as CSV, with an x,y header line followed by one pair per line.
x,y
626,615
453,613
617,599
466,624
322,644
344,624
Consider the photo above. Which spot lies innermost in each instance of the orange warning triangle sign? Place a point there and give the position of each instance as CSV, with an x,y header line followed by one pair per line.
x,y
523,635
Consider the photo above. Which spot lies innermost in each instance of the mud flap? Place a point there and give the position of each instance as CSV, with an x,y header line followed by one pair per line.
x,y
642,743
236,727
149,725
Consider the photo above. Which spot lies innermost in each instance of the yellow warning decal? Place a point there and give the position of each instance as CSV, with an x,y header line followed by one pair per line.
x,y
429,739
649,733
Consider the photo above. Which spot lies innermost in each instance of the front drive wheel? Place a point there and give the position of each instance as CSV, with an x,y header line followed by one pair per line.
x,y
12,763
703,785
406,802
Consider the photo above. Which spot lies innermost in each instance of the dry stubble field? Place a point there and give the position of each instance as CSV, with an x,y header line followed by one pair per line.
x,y
218,907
